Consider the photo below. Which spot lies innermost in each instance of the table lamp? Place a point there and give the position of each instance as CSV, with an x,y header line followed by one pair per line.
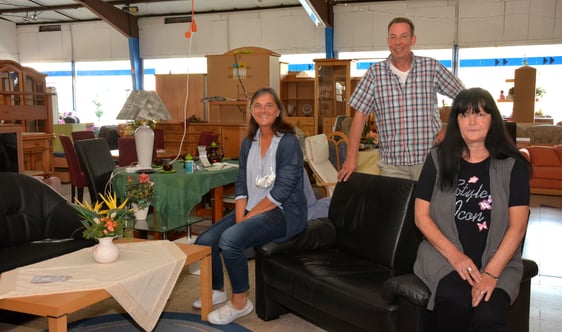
x,y
144,105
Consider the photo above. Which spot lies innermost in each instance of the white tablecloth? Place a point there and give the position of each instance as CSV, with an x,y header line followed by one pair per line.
x,y
141,280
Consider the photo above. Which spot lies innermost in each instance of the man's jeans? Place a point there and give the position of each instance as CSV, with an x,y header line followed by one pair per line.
x,y
233,239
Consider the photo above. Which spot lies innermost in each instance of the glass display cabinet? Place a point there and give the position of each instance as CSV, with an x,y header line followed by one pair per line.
x,y
332,90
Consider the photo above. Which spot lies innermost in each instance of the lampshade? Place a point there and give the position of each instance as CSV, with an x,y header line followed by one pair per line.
x,y
144,105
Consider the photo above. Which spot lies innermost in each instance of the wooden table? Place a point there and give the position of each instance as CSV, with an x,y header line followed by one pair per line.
x,y
57,307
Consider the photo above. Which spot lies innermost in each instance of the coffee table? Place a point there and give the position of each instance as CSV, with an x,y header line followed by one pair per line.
x,y
57,307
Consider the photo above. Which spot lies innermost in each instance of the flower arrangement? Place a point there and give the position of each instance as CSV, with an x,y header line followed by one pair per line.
x,y
140,192
128,129
100,223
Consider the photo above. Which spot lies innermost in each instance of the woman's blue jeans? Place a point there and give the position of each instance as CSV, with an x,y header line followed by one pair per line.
x,y
233,239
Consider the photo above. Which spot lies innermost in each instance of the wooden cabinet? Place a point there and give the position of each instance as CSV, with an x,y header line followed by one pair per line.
x,y
173,90
38,152
238,73
24,101
230,137
332,90
524,94
228,111
297,95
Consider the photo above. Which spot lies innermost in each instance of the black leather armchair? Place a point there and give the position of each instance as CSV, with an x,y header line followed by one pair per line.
x,y
353,270
31,212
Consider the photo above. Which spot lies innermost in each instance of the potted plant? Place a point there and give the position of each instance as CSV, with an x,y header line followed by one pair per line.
x,y
103,225
140,193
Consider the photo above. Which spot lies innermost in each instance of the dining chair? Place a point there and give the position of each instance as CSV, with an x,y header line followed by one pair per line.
x,y
318,158
82,134
77,177
337,145
128,151
98,165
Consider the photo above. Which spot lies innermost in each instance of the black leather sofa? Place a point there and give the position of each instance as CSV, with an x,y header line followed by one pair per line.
x,y
352,271
31,213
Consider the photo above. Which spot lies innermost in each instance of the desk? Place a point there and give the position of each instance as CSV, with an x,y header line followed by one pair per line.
x,y
178,193
367,161
57,307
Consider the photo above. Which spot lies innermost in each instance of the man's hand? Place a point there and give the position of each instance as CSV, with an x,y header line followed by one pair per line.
x,y
349,166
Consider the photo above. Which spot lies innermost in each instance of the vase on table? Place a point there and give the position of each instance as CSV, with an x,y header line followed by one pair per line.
x,y
105,251
140,214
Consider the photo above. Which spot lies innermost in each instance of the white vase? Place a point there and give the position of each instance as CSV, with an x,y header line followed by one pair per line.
x,y
105,251
140,214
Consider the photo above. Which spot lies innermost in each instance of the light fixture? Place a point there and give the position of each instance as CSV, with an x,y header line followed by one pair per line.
x,y
144,105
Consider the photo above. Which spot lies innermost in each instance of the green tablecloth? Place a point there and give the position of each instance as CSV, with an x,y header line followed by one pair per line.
x,y
176,193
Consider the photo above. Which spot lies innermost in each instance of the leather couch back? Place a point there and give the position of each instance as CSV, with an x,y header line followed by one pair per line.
x,y
31,210
374,219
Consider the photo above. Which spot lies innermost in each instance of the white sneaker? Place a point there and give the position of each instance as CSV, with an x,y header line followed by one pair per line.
x,y
218,297
227,313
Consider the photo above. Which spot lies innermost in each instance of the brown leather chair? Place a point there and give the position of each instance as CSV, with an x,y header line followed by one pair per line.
x,y
77,177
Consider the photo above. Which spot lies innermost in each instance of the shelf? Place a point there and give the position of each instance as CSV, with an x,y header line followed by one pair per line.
x,y
228,111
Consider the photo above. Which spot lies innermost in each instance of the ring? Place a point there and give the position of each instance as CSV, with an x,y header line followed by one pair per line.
x,y
469,269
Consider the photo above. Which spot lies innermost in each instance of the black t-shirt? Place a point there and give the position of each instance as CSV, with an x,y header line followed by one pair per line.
x,y
474,201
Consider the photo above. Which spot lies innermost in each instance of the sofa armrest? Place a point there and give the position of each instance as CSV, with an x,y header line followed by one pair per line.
x,y
412,288
408,286
530,269
319,234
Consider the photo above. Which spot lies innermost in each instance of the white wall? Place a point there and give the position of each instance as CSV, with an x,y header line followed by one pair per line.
x,y
8,41
360,27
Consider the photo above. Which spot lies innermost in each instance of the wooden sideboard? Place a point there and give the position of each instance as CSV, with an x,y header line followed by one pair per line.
x,y
230,136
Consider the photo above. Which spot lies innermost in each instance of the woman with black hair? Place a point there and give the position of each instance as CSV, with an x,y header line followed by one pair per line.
x,y
472,206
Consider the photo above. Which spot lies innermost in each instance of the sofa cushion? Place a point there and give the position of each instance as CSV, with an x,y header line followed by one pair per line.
x,y
383,233
332,281
544,156
545,134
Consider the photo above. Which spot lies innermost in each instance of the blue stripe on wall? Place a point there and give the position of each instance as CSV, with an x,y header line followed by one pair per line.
x,y
468,63
500,62
116,72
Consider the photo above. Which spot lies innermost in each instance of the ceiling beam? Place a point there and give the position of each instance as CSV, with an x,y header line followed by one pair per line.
x,y
325,10
74,6
124,22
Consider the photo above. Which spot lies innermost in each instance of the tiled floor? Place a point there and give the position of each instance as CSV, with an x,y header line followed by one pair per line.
x,y
543,244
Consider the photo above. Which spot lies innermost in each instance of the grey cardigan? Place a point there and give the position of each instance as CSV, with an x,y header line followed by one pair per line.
x,y
431,266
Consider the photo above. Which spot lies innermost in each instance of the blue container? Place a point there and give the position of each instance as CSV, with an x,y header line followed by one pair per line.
x,y
189,166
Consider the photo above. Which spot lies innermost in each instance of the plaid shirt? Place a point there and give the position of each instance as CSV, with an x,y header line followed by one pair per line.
x,y
407,116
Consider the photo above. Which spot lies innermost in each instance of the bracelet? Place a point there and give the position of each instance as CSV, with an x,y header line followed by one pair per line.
x,y
490,275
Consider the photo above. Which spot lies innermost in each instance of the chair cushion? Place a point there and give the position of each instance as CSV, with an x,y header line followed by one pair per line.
x,y
317,149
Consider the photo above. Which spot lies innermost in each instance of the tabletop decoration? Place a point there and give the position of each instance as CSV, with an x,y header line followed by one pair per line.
x,y
140,193
103,225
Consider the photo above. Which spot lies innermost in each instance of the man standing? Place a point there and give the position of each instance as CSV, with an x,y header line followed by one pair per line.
x,y
402,93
